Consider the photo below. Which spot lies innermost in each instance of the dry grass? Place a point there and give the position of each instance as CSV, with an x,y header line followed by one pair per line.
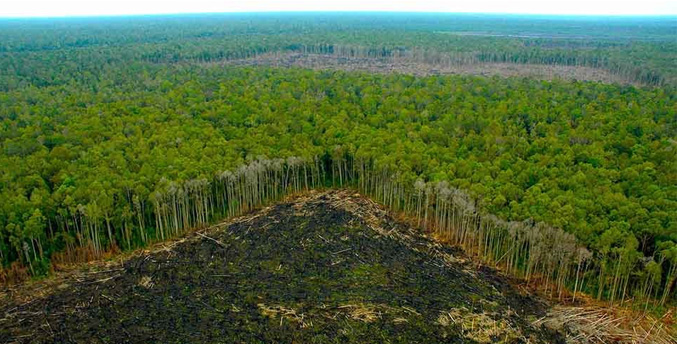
x,y
285,313
368,312
481,327
362,312
608,325
146,282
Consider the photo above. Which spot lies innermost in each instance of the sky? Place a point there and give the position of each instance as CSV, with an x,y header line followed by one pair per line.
x,y
60,8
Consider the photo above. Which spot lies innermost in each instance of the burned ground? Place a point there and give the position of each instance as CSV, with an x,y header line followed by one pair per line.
x,y
329,267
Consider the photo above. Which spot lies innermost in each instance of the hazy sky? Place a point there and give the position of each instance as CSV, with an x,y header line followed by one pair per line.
x,y
28,8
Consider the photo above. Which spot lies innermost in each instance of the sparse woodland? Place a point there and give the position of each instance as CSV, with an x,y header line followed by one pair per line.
x,y
112,139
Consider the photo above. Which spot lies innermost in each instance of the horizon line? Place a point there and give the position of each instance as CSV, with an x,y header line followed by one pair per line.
x,y
120,15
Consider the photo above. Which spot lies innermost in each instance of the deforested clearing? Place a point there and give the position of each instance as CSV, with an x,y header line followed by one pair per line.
x,y
323,267
419,67
327,267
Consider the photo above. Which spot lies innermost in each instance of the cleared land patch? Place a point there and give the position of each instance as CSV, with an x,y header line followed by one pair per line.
x,y
325,268
405,65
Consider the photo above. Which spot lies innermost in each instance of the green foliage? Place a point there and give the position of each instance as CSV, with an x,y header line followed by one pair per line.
x,y
112,138
65,51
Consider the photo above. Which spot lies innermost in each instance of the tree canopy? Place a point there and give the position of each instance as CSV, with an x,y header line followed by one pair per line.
x,y
114,138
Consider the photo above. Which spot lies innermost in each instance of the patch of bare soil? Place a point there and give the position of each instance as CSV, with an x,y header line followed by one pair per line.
x,y
411,66
328,267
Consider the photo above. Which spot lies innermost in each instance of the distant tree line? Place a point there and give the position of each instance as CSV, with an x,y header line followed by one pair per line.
x,y
55,52
640,74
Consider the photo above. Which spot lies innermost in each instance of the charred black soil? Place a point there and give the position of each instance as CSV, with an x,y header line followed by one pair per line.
x,y
329,267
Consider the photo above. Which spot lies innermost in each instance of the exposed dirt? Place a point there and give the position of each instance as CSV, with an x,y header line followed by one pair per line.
x,y
329,267
413,67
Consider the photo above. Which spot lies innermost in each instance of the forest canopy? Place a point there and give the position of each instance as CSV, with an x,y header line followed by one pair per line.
x,y
106,123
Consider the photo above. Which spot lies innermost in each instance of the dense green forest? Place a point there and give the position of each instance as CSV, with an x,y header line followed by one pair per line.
x,y
115,133
56,51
